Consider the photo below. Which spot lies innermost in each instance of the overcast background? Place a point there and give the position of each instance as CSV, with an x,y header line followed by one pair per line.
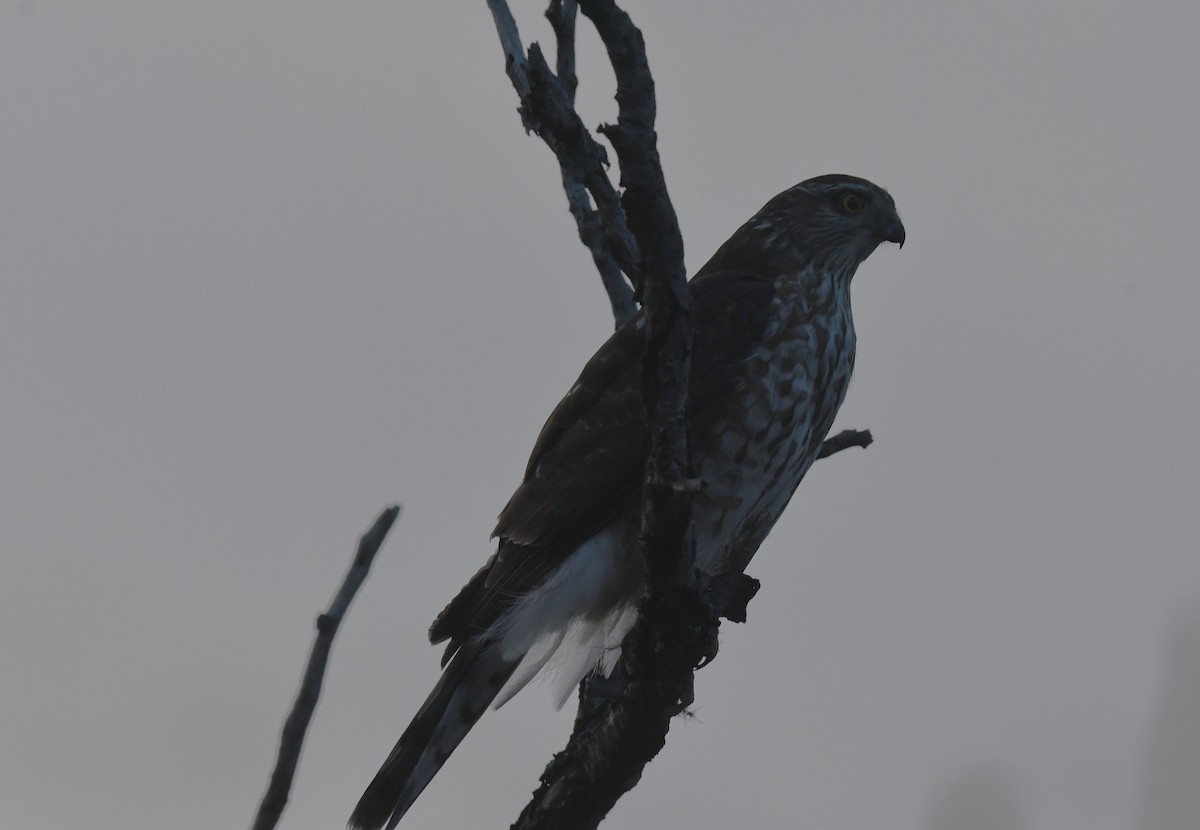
x,y
267,267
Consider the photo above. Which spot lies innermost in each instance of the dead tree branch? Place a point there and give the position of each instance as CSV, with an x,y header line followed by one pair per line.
x,y
623,719
547,109
296,725
637,248
620,733
844,440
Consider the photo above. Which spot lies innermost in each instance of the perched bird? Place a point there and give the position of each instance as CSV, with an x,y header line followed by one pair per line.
x,y
773,349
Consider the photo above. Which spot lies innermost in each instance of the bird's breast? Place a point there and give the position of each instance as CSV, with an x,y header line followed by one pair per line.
x,y
754,454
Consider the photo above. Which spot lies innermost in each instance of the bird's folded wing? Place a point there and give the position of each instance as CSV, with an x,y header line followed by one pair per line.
x,y
587,465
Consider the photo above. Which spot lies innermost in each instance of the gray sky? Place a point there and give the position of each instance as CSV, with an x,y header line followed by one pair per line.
x,y
268,267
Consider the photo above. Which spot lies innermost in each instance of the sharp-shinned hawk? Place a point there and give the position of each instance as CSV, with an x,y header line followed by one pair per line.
x,y
773,349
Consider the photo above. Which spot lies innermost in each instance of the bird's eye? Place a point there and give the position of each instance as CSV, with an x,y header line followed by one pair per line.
x,y
852,203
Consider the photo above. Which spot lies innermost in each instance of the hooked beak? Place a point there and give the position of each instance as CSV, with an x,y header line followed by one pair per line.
x,y
892,229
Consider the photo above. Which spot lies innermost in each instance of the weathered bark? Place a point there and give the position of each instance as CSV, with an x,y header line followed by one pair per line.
x,y
623,719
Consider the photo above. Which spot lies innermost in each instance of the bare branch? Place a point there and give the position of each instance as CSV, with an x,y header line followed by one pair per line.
x,y
294,728
510,41
623,720
561,15
546,109
591,233
844,440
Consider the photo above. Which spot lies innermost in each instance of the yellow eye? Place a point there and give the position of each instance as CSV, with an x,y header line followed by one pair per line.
x,y
852,203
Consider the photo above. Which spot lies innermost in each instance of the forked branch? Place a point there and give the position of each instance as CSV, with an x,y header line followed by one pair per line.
x,y
623,719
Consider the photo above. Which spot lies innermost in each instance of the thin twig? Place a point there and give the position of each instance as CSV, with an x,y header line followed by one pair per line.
x,y
844,440
294,728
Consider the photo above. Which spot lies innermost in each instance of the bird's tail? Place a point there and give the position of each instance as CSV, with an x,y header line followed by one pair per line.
x,y
467,686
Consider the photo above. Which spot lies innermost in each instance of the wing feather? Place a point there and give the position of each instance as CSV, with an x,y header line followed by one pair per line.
x,y
587,464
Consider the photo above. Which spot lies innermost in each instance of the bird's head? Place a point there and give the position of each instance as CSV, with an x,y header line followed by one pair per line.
x,y
839,219
831,222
